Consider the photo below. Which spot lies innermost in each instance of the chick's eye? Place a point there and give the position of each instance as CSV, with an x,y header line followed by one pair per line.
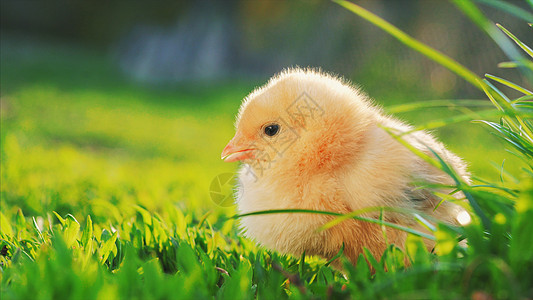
x,y
271,130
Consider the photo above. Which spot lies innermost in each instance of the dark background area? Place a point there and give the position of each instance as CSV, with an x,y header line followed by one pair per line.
x,y
164,43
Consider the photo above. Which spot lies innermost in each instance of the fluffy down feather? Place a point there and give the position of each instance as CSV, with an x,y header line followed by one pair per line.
x,y
329,153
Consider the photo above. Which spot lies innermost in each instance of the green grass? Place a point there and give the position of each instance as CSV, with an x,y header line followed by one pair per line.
x,y
105,195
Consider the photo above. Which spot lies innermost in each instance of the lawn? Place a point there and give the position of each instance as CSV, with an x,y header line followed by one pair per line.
x,y
105,192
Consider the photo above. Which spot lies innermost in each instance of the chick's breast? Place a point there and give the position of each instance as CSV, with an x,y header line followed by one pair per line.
x,y
288,233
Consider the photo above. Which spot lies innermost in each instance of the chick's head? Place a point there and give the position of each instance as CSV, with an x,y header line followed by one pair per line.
x,y
301,120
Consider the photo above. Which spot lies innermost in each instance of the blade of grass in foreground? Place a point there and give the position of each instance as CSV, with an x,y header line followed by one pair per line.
x,y
514,64
438,162
512,138
516,40
509,84
510,8
309,211
341,251
523,100
411,42
416,214
460,183
473,12
508,65
511,114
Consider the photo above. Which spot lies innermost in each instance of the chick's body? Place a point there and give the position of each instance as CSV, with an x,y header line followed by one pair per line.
x,y
310,141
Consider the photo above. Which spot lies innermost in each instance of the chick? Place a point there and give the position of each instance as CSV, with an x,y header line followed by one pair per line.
x,y
309,140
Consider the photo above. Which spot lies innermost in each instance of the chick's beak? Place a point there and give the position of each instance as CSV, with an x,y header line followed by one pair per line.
x,y
235,150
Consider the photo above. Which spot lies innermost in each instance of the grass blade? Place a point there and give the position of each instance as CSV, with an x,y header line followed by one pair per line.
x,y
508,65
471,11
441,164
516,40
473,203
411,42
509,84
514,64
499,104
281,211
523,100
37,229
107,247
61,220
510,8
341,251
87,232
5,226
511,113
512,138
370,220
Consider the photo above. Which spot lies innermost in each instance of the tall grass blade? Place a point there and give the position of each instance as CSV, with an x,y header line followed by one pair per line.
x,y
281,211
341,251
87,232
430,160
459,182
514,64
107,248
309,211
61,220
471,11
510,8
525,100
512,114
5,226
415,213
37,229
411,42
512,138
508,65
509,84
499,104
516,40
441,164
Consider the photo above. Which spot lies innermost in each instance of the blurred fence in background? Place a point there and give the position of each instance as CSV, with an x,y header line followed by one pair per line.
x,y
166,42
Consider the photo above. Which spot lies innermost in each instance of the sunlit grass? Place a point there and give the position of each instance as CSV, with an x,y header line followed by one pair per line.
x,y
105,194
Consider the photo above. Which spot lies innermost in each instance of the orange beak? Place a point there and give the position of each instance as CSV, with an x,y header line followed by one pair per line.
x,y
235,150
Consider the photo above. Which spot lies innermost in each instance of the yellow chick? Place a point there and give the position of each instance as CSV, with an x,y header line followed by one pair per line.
x,y
309,140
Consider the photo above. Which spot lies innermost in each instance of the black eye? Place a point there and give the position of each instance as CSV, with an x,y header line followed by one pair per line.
x,y
271,130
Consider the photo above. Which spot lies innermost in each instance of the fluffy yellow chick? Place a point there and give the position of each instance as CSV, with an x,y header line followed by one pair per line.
x,y
308,140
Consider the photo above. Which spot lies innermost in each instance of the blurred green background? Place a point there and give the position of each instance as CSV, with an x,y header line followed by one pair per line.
x,y
109,104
